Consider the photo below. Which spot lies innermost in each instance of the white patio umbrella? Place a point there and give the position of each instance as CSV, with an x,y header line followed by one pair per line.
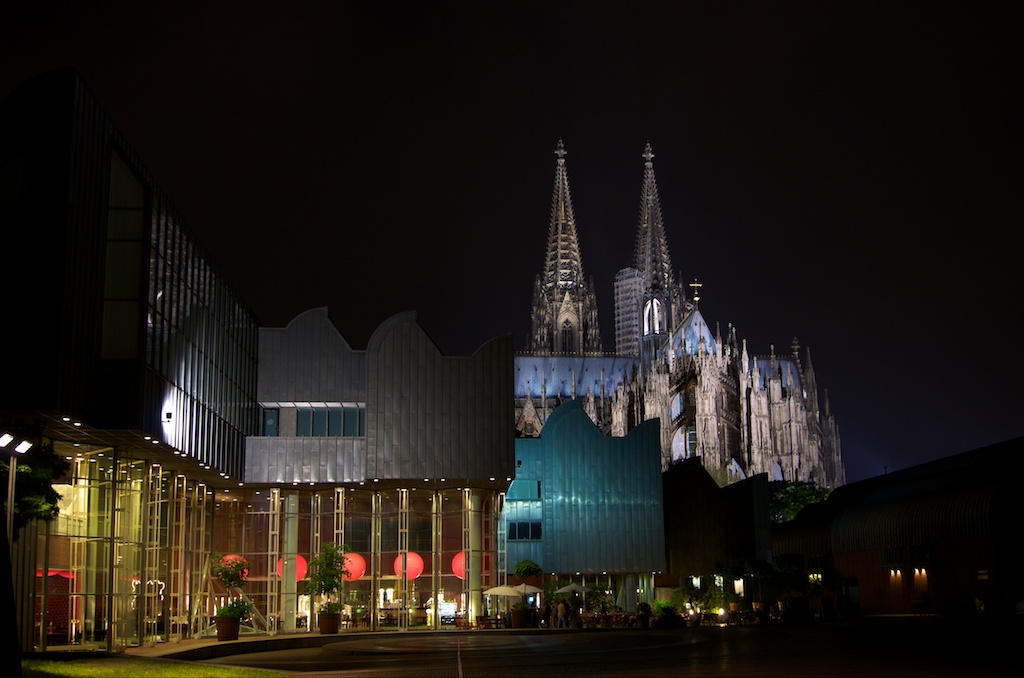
x,y
503,591
512,591
574,588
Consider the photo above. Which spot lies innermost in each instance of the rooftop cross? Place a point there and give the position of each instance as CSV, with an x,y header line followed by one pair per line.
x,y
696,291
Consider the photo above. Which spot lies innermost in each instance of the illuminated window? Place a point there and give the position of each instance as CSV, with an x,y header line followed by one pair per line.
x,y
652,317
355,422
518,531
568,334
270,418
348,422
319,423
303,422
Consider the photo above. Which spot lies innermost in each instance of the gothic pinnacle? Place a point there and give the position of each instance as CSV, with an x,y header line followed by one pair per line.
x,y
648,155
560,152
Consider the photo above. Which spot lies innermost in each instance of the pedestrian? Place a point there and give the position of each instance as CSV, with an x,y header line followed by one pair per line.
x,y
562,619
545,614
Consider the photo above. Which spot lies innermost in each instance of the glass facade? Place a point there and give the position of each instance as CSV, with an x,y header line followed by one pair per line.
x,y
128,560
119,563
200,348
124,562
150,391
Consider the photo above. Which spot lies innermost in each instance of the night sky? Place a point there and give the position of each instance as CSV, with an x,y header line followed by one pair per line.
x,y
845,173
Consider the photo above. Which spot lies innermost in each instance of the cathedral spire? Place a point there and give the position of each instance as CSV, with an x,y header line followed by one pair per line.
x,y
563,266
662,298
564,310
651,254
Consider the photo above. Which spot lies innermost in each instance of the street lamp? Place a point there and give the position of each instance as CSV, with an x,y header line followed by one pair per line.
x,y
8,608
21,448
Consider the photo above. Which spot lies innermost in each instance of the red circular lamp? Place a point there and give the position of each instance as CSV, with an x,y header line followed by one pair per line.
x,y
414,565
355,565
459,565
301,567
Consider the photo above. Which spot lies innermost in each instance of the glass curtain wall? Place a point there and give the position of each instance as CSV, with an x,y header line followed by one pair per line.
x,y
117,565
418,558
128,560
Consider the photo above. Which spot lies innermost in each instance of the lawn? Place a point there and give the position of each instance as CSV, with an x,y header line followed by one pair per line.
x,y
122,667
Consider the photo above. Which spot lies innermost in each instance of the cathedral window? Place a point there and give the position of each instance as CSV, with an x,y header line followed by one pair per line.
x,y
568,336
652,317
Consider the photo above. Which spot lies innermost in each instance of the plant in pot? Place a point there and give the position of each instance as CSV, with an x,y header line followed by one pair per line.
x,y
643,614
326,577
231,570
521,611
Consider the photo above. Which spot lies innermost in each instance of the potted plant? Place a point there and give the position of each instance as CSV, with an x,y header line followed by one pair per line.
x,y
643,614
231,571
521,611
230,618
326,577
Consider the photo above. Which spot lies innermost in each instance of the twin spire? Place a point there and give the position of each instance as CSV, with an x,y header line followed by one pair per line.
x,y
563,267
651,254
564,311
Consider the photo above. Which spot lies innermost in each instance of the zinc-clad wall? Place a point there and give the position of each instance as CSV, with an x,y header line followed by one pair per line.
x,y
601,496
431,416
55,160
309,361
288,459
56,207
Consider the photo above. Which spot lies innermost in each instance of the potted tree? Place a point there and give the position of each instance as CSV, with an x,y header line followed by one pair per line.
x,y
643,614
231,571
521,611
326,576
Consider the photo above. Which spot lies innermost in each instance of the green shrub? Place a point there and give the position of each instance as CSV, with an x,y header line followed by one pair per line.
x,y
237,608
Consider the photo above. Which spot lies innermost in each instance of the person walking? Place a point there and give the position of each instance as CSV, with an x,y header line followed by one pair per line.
x,y
562,619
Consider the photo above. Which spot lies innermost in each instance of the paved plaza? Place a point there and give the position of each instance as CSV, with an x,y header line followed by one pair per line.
x,y
876,647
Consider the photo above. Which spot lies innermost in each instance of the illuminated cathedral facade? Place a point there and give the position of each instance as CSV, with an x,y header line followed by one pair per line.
x,y
741,413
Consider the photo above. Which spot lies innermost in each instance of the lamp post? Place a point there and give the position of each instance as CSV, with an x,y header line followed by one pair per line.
x,y
11,643
21,448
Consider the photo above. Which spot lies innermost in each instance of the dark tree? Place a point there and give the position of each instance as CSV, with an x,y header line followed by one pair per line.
x,y
787,497
34,496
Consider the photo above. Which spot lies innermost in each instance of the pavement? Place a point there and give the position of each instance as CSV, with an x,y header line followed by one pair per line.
x,y
878,647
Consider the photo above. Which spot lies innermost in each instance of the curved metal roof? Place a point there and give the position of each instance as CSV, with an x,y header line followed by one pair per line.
x,y
954,514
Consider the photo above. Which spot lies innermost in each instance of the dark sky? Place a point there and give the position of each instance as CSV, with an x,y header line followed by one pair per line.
x,y
845,173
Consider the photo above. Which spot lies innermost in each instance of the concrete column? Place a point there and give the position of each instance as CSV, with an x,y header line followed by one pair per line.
x,y
474,574
289,547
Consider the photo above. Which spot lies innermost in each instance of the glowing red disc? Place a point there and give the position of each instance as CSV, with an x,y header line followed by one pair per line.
x,y
414,565
301,567
355,565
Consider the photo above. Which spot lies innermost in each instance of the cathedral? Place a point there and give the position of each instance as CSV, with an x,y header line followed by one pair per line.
x,y
741,413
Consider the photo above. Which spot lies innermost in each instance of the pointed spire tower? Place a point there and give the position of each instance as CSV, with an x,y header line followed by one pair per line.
x,y
662,299
564,310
